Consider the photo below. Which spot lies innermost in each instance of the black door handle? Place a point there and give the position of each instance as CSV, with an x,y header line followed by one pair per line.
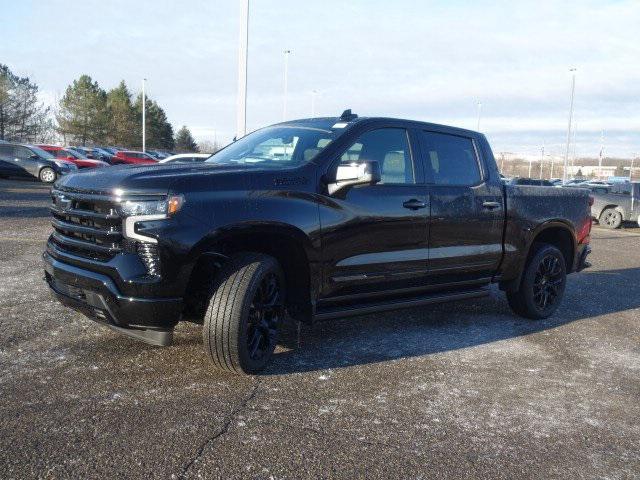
x,y
414,204
491,205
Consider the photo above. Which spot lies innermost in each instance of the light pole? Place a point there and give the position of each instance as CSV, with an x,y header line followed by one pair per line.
x,y
479,112
144,115
530,164
601,154
286,80
566,156
313,103
541,160
243,57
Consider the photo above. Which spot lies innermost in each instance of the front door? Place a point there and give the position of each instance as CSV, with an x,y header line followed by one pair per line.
x,y
374,237
467,211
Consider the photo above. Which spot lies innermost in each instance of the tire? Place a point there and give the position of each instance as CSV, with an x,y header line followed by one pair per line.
x,y
239,337
47,175
543,284
610,218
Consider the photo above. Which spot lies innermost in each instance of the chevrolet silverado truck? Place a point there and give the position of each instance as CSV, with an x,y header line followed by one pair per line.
x,y
316,219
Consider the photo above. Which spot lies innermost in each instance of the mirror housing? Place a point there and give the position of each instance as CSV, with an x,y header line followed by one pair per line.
x,y
34,156
349,175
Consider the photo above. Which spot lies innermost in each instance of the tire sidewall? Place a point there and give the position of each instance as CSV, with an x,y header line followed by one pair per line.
x,y
267,266
529,279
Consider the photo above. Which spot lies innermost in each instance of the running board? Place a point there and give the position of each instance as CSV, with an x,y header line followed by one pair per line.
x,y
364,309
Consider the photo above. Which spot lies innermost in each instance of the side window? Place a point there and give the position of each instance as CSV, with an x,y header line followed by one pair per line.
x,y
6,152
451,159
387,146
22,153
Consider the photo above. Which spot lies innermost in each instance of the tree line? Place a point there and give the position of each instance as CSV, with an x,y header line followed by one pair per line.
x,y
86,115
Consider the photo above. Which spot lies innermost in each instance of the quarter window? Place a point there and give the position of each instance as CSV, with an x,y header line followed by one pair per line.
x,y
387,146
451,159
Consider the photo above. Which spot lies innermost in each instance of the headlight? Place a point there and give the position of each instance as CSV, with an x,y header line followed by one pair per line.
x,y
168,206
62,165
139,211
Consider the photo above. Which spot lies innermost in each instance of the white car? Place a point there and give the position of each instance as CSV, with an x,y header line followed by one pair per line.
x,y
186,158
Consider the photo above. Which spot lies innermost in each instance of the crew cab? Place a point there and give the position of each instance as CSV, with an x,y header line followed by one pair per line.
x,y
72,156
616,204
317,219
132,157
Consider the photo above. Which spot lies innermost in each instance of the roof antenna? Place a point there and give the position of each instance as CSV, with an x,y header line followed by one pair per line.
x,y
347,115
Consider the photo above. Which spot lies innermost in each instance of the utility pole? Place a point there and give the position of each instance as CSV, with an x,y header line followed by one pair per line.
x,y
541,160
502,163
566,156
313,103
631,169
144,117
286,80
530,164
479,112
243,57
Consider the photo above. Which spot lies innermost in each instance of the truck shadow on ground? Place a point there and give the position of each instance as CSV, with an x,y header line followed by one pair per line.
x,y
440,328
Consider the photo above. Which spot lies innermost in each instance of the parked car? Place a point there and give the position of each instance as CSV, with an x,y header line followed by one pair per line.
x,y
86,152
157,154
100,153
616,205
531,181
132,157
318,219
18,160
186,158
73,157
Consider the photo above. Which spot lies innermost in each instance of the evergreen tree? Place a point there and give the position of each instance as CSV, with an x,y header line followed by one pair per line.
x,y
22,117
123,128
185,142
83,115
159,132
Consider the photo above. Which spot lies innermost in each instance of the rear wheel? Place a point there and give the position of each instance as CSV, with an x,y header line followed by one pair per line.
x,y
244,314
47,175
610,218
543,283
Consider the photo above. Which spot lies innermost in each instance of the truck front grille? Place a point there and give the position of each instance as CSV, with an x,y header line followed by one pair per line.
x,y
86,225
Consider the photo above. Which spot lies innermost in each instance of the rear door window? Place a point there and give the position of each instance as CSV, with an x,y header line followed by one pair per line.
x,y
451,159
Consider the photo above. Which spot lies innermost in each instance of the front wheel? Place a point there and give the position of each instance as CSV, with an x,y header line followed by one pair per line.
x,y
47,175
610,218
244,314
542,286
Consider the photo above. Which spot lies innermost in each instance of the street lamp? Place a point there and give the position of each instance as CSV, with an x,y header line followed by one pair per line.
x,y
566,156
243,56
479,111
144,114
286,79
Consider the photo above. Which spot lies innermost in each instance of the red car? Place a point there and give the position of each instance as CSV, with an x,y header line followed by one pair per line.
x,y
73,157
132,157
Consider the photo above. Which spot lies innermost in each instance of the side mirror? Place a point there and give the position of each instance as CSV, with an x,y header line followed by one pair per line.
x,y
348,175
34,157
69,157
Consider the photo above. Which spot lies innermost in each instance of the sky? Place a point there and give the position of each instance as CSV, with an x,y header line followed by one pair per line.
x,y
424,60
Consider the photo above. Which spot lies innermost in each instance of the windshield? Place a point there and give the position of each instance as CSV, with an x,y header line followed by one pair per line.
x,y
40,152
275,147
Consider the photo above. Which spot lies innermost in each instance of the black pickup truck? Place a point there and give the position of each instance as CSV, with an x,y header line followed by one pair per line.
x,y
316,219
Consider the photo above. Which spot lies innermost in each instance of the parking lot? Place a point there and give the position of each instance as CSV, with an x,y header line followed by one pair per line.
x,y
450,391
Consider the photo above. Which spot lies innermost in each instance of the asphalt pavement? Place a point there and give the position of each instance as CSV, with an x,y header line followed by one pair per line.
x,y
449,391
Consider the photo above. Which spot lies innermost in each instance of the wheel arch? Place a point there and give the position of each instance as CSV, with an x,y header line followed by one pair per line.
x,y
289,245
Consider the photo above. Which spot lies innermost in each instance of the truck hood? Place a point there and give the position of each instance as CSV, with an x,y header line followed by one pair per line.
x,y
156,178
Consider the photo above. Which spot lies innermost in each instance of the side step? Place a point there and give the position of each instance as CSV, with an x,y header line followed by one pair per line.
x,y
364,309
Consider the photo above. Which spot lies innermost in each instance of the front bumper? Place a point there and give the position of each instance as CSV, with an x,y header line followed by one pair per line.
x,y
97,296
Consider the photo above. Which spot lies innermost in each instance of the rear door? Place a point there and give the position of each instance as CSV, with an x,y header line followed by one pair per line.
x,y
8,162
374,237
465,233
